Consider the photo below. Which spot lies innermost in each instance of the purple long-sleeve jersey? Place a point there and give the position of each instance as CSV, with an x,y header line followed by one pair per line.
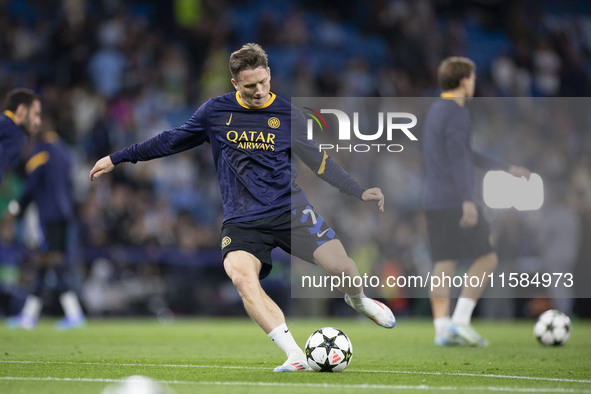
x,y
252,152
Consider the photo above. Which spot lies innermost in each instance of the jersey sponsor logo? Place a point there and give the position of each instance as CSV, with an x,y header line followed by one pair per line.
x,y
226,241
274,123
229,120
252,140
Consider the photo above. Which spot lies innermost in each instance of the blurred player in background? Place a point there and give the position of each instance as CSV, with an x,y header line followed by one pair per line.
x,y
456,228
21,117
250,132
49,185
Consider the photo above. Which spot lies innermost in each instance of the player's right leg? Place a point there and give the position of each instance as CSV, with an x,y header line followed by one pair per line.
x,y
243,269
27,318
449,243
461,326
29,315
332,257
73,314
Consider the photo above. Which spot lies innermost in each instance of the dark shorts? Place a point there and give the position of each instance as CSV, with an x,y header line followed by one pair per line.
x,y
449,241
56,236
299,232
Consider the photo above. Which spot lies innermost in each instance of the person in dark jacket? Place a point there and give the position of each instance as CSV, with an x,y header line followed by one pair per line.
x,y
455,224
49,186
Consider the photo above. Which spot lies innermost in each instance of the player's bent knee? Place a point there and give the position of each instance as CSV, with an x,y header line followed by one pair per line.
x,y
489,261
494,261
241,283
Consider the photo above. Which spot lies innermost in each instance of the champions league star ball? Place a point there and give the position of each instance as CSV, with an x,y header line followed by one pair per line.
x,y
328,350
552,328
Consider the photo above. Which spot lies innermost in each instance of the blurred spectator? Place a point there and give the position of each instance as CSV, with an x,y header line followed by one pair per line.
x,y
48,184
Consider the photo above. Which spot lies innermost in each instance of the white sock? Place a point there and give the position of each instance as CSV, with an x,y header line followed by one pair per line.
x,y
71,305
441,325
32,308
357,299
283,338
463,312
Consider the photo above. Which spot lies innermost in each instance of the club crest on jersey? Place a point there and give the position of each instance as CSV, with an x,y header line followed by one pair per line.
x,y
252,140
226,241
274,122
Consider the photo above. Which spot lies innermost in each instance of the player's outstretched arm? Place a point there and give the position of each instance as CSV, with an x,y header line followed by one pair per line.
x,y
101,167
374,194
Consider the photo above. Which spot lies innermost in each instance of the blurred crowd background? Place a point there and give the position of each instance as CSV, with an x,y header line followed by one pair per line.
x,y
112,73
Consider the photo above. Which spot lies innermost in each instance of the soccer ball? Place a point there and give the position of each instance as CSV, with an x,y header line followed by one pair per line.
x,y
328,350
552,328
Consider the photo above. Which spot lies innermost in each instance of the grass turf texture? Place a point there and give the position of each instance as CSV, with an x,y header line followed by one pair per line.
x,y
233,355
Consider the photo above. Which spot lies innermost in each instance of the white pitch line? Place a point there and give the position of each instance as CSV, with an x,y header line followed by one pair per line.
x,y
535,378
566,380
131,364
311,385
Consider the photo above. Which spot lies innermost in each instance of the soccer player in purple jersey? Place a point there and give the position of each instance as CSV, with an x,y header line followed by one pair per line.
x,y
21,117
456,229
250,132
48,184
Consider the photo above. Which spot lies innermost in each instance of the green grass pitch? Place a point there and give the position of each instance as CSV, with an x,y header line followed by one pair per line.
x,y
234,356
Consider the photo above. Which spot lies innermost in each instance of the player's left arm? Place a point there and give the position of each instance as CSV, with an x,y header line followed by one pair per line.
x,y
35,169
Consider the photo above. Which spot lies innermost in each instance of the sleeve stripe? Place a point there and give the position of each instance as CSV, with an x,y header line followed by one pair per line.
x,y
36,161
323,164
